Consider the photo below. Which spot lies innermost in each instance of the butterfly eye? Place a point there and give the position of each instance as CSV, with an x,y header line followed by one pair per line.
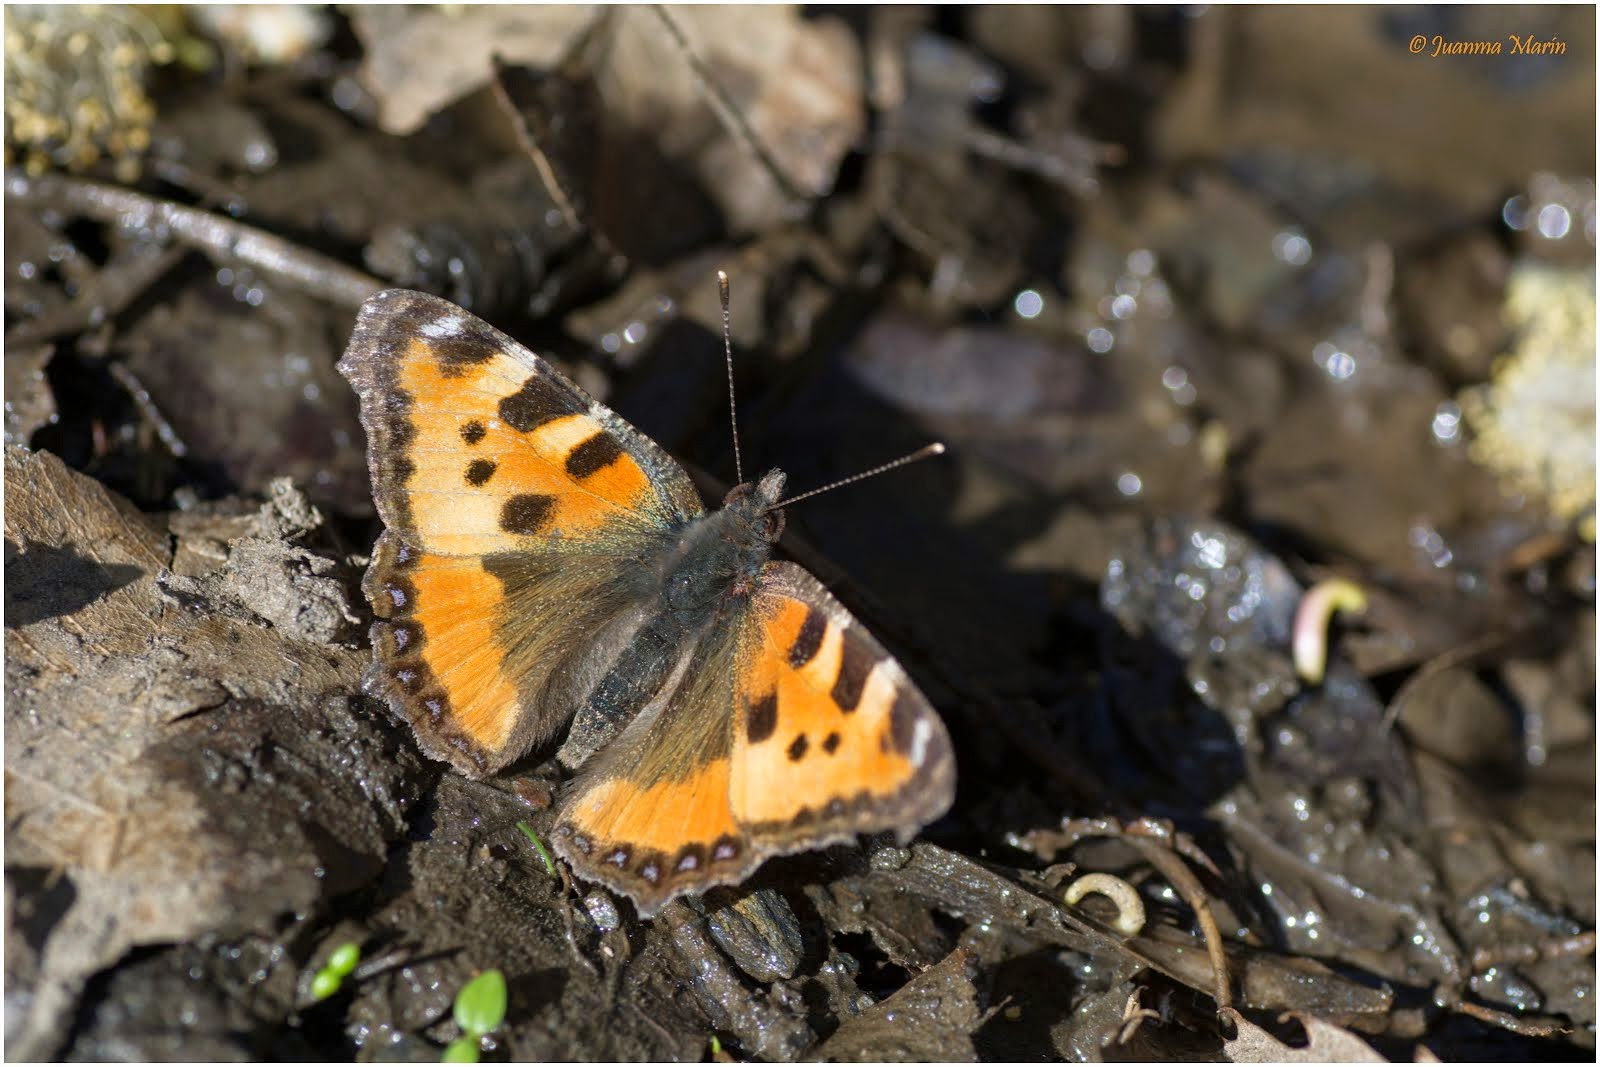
x,y
772,526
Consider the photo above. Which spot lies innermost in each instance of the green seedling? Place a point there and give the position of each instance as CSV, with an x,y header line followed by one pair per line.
x,y
461,1050
325,984
538,846
328,981
343,959
480,1009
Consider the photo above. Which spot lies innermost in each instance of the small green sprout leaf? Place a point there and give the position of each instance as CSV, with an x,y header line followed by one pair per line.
x,y
461,1050
481,1005
716,1045
344,959
325,984
538,846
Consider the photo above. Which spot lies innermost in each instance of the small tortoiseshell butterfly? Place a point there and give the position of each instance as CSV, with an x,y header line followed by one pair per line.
x,y
544,563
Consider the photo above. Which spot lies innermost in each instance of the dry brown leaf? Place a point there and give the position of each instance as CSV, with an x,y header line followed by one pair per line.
x,y
1326,1043
794,84
422,59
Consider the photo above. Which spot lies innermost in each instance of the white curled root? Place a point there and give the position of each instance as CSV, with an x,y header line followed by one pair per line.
x,y
1130,906
1311,619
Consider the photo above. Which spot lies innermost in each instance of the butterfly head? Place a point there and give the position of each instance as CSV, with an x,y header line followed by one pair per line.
x,y
752,503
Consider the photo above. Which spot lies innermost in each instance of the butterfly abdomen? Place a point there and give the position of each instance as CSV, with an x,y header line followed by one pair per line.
x,y
703,580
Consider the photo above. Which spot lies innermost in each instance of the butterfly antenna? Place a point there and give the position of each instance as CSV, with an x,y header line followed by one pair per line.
x,y
934,449
727,348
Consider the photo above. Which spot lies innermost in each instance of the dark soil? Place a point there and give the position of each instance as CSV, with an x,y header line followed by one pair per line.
x,y
1206,307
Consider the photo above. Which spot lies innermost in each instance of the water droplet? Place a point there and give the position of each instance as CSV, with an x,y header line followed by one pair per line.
x,y
1554,221
1292,247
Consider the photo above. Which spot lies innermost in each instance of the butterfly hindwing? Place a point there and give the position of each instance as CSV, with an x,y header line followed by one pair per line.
x,y
517,510
789,729
650,817
830,737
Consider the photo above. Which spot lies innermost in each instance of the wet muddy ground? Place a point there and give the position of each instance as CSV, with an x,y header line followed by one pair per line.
x,y
1222,315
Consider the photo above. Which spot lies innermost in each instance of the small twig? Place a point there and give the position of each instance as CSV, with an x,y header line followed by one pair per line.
x,y
541,162
1171,867
1507,1021
221,238
1161,845
147,407
389,959
102,298
1074,830
723,107
1162,830
1133,1016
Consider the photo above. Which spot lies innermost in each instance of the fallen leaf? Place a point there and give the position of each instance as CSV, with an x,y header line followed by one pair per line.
x,y
1326,1043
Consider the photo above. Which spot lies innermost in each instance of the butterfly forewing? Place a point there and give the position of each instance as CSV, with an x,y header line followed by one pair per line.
x,y
517,510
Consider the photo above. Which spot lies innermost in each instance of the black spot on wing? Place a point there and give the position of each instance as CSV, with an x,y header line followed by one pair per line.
x,y
540,400
855,664
480,471
595,454
457,352
902,722
809,639
527,513
473,432
761,718
830,744
797,748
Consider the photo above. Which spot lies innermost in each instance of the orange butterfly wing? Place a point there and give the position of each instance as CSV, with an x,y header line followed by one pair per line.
x,y
790,730
515,507
831,738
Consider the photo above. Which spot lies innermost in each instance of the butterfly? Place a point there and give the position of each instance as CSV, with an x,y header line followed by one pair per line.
x,y
546,567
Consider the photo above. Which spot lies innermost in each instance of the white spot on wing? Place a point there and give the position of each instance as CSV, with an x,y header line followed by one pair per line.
x,y
442,327
919,741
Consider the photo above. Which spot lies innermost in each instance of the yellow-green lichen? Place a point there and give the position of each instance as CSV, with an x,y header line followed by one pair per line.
x,y
75,82
1533,422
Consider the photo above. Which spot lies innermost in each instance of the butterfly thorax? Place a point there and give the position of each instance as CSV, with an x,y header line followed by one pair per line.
x,y
706,572
719,556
